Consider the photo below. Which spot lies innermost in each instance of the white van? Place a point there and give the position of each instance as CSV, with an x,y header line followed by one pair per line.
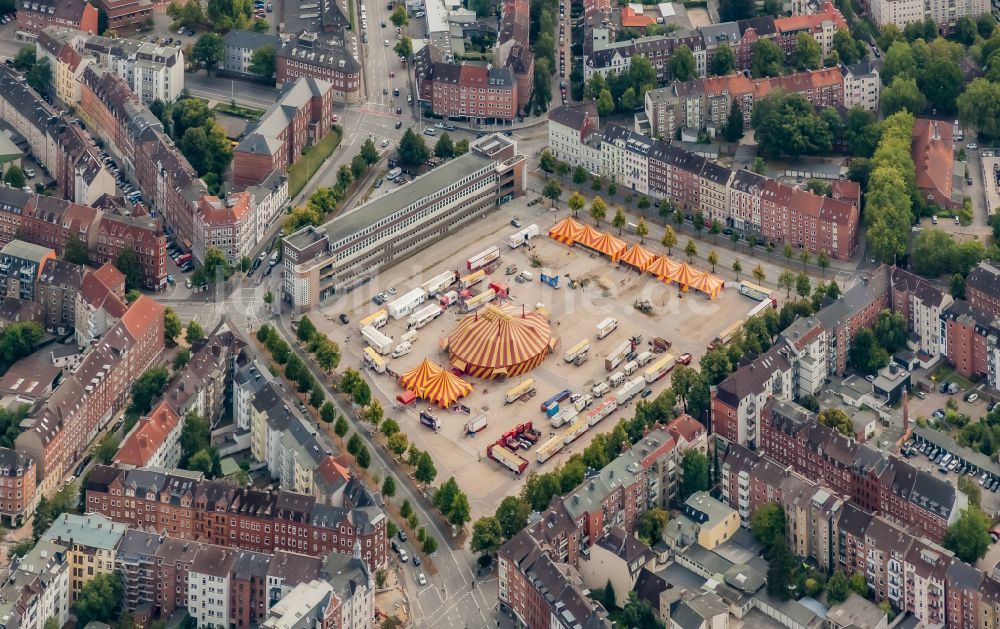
x,y
402,349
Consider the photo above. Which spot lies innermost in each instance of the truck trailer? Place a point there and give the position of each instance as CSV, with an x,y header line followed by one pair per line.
x,y
423,316
475,424
580,348
404,305
617,355
430,420
629,390
505,457
549,449
606,327
521,389
659,368
522,236
376,340
439,282
483,258
376,320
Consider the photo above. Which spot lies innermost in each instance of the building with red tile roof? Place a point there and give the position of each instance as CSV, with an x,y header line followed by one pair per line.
x,y
633,19
847,191
821,25
472,92
228,225
155,441
110,276
97,307
933,152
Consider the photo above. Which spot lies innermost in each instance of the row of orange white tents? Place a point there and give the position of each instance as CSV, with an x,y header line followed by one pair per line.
x,y
572,232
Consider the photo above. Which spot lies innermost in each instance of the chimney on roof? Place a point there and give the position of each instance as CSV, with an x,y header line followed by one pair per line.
x,y
936,135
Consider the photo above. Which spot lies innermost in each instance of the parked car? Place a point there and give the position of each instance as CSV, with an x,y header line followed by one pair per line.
x,y
416,560
972,397
421,579
343,319
684,359
401,535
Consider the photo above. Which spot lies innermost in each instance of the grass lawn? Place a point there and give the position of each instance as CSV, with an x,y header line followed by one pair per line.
x,y
239,112
946,374
302,171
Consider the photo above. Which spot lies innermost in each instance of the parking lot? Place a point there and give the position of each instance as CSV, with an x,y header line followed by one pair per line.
x,y
954,461
603,290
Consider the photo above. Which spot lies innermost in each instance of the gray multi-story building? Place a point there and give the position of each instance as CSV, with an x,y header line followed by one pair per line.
x,y
20,268
58,286
346,252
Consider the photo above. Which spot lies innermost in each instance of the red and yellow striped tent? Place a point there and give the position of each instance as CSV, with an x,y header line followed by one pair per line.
x,y
683,275
445,388
664,268
610,246
589,236
638,257
500,342
416,379
566,231
707,283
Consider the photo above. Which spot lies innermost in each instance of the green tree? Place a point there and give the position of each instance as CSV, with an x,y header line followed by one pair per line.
x,y
768,525
399,16
107,449
575,203
354,444
512,515
412,150
691,250
785,122
397,443
682,65
979,107
580,174
941,82
849,50
358,167
732,10
99,599
737,268
368,152
340,427
836,419
425,470
459,513
865,354
619,220
327,412
650,525
891,331
389,486
208,51
128,263
552,190
838,588
641,229
807,52
766,59
194,332
171,326
404,47
733,131
780,569
444,147
75,251
262,61
694,474
669,238
25,58
389,427
40,76
147,387
899,62
724,62
598,210
969,536
605,103
305,329
967,485
787,281
487,537
429,546
901,94
363,457
802,287
16,178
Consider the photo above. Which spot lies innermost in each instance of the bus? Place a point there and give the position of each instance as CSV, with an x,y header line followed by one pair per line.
x,y
754,291
374,361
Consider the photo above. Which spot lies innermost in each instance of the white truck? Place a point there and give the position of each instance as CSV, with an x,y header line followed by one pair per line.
x,y
616,378
644,358
629,390
376,340
583,401
659,368
600,389
602,410
522,236
606,327
475,424
402,349
423,316
409,336
404,305
630,367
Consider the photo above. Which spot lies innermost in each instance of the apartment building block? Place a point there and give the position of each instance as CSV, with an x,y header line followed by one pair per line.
x,y
152,71
35,15
307,55
59,47
17,487
37,588
944,14
21,266
206,382
179,505
969,341
87,399
921,304
90,541
471,92
862,85
513,49
982,288
574,136
58,286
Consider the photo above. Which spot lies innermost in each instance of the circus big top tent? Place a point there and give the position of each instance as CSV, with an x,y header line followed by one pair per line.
x,y
435,384
500,341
